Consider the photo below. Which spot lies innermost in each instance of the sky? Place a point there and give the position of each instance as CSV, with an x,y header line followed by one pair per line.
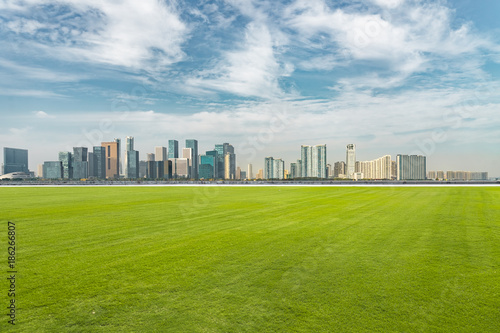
x,y
391,76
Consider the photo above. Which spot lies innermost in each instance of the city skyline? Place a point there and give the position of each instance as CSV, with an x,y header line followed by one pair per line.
x,y
220,163
393,76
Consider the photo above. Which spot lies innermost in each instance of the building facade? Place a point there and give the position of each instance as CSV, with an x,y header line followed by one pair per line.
x,y
193,145
313,161
52,170
15,160
173,149
350,160
411,167
112,157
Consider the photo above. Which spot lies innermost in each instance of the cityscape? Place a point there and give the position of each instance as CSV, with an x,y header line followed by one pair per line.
x,y
113,161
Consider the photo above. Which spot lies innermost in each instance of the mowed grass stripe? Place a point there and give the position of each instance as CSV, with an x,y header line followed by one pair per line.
x,y
257,259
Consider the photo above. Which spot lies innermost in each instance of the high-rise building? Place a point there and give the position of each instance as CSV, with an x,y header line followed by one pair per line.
x,y
112,156
130,143
119,154
268,168
243,175
318,161
274,168
260,174
80,163
293,170
173,149
238,173
350,160
161,154
65,159
15,160
339,170
313,161
222,151
39,170
249,172
100,162
216,159
52,170
131,160
193,144
180,167
278,169
90,159
380,168
329,171
411,167
132,164
305,157
143,169
227,166
207,166
187,153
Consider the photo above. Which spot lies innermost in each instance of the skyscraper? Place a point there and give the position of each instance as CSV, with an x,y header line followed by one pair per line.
x,y
249,172
268,168
65,159
318,161
173,149
131,160
119,157
278,169
411,167
313,161
161,154
15,160
305,157
350,160
339,169
80,163
207,166
193,144
99,162
130,143
112,155
52,170
222,151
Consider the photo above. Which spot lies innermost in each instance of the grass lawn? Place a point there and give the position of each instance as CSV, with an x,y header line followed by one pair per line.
x,y
254,259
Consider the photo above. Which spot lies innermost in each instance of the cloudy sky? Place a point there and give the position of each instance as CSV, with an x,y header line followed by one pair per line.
x,y
391,76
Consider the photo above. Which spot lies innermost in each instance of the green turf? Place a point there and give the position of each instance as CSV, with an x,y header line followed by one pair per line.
x,y
244,259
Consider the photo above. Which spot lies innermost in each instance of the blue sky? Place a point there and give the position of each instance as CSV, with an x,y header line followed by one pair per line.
x,y
391,76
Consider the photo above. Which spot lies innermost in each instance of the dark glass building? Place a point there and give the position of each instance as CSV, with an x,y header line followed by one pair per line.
x,y
15,160
65,159
193,144
80,163
173,149
99,162
53,170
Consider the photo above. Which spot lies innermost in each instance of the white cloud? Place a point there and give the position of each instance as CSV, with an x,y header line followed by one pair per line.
x,y
407,38
388,3
39,73
251,70
30,93
139,35
43,115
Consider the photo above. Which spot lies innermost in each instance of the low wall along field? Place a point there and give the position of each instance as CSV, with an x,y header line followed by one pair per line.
x,y
253,259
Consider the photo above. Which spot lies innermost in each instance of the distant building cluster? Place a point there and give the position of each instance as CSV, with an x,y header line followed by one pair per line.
x,y
107,161
457,175
313,165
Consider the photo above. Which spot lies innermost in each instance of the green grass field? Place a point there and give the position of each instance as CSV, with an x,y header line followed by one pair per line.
x,y
246,259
